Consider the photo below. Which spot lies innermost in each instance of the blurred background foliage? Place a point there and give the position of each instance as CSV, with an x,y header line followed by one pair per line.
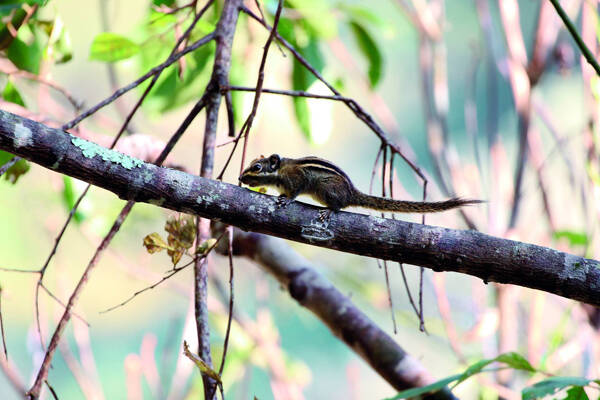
x,y
68,54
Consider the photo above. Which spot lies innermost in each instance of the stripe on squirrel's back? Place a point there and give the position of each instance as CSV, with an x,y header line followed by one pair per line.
x,y
319,162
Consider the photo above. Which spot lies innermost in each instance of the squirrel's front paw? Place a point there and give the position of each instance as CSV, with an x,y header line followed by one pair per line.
x,y
325,215
283,201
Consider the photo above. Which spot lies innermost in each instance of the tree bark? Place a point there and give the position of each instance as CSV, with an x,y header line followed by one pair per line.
x,y
490,258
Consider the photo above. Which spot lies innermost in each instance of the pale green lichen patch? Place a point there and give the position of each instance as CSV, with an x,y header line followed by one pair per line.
x,y
23,135
148,176
90,150
207,198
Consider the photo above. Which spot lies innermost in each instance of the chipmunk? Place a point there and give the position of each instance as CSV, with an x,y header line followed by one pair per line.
x,y
329,185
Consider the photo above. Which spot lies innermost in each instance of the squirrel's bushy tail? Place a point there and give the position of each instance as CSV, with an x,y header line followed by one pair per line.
x,y
384,204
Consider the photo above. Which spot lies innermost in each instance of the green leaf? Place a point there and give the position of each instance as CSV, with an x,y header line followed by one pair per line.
x,y
168,3
69,198
410,393
302,115
26,50
474,369
368,47
515,361
313,55
319,17
552,385
302,79
111,47
10,93
573,237
13,173
171,91
576,393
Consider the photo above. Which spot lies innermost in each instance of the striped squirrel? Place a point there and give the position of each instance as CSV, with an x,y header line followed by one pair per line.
x,y
329,185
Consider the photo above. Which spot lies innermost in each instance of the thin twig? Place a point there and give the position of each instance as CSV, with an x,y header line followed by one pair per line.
x,y
294,93
43,372
245,130
170,273
34,392
260,80
385,266
114,142
230,114
373,172
157,75
230,311
374,169
406,286
33,77
9,164
42,270
421,318
152,286
61,303
2,329
590,58
389,293
353,105
118,93
24,271
410,297
54,395
225,32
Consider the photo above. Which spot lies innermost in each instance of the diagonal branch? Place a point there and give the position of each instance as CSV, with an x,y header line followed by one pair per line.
x,y
490,258
313,291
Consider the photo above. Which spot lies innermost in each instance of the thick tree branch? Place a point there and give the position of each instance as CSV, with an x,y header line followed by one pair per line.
x,y
313,291
489,258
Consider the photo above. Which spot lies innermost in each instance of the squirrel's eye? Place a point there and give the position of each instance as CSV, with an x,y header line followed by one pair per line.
x,y
256,167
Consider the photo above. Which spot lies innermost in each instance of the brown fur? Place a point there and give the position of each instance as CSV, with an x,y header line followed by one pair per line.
x,y
329,185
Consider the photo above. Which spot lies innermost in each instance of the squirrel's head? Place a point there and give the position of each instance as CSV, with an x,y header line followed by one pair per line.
x,y
259,169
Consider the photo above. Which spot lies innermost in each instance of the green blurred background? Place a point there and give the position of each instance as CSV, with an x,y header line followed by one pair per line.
x,y
33,210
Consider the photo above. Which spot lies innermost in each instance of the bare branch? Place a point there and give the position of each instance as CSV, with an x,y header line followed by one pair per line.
x,y
224,33
491,258
313,291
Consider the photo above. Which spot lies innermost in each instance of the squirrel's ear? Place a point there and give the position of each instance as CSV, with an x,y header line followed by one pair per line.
x,y
274,161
